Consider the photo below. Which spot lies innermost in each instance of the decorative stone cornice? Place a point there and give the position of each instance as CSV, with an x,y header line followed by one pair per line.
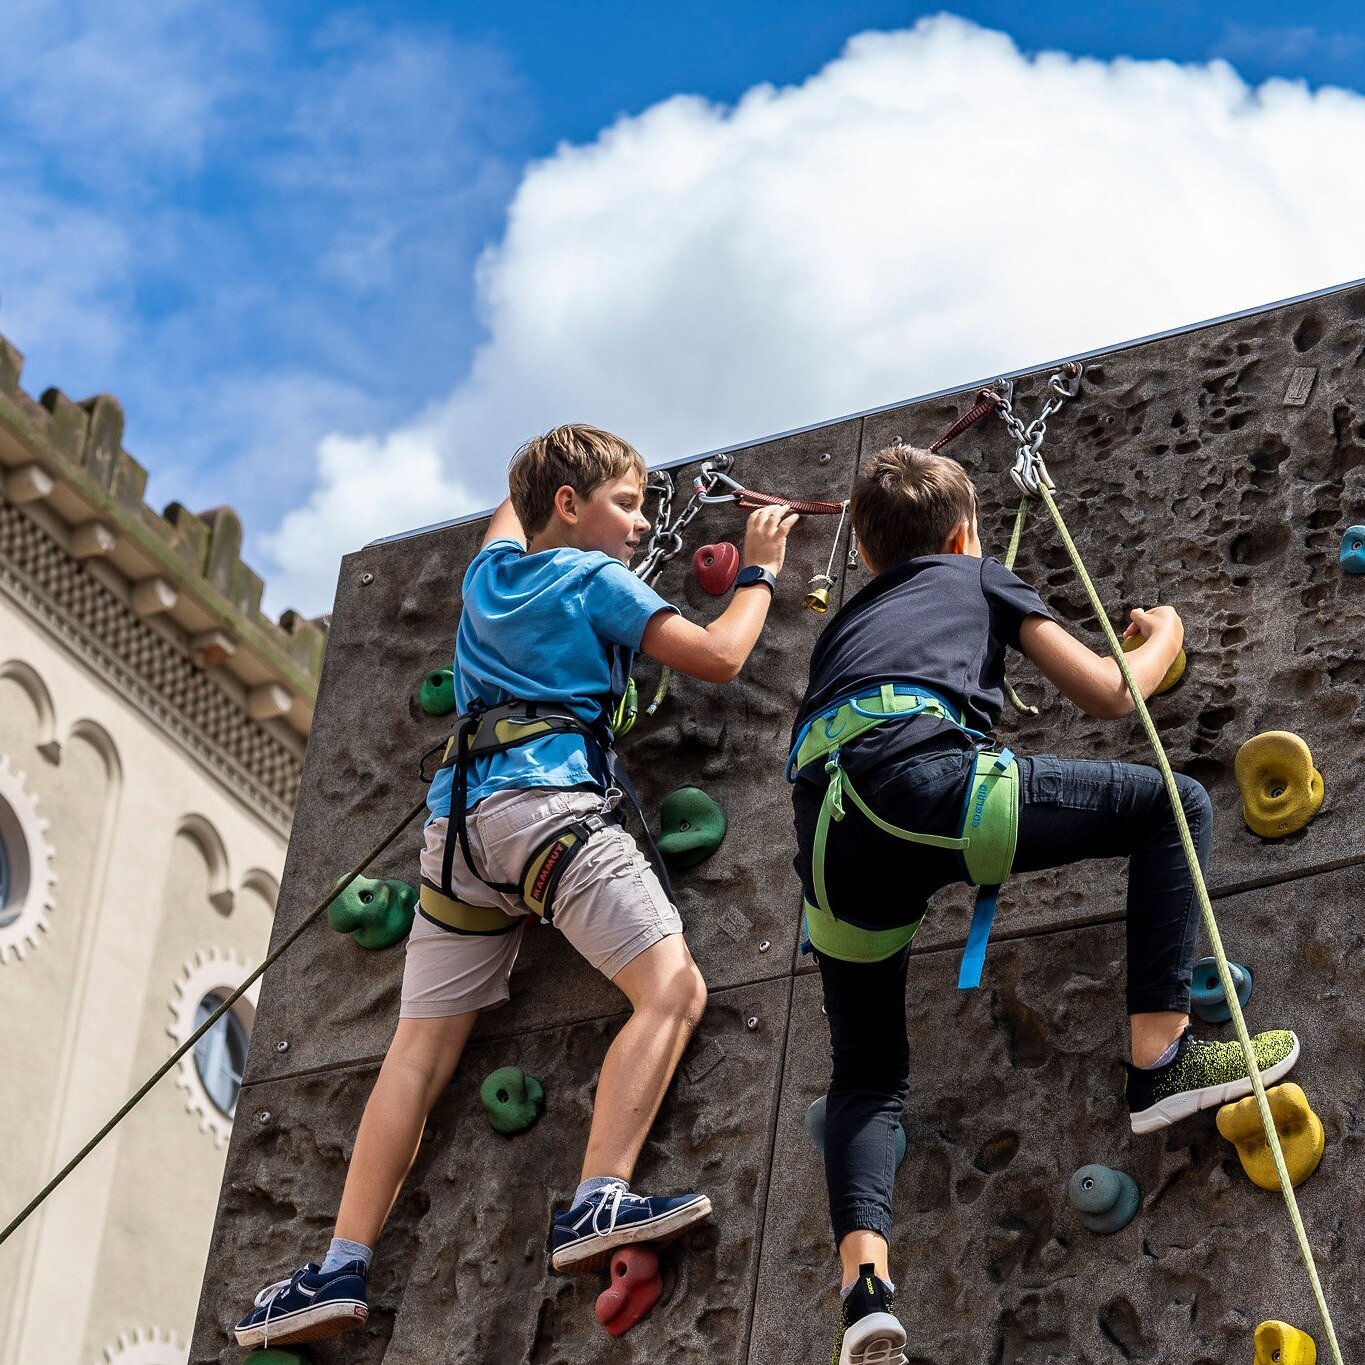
x,y
182,568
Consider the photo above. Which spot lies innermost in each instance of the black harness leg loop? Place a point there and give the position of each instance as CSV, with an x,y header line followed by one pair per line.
x,y
459,816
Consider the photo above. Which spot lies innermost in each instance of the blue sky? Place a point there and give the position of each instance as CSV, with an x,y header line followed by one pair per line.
x,y
281,234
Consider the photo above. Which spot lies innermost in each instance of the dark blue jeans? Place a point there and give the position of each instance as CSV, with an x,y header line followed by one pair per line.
x,y
1070,810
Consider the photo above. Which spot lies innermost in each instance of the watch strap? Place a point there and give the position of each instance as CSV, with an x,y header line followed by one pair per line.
x,y
753,574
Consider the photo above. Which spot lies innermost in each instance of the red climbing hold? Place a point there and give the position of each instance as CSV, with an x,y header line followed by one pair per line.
x,y
635,1288
716,567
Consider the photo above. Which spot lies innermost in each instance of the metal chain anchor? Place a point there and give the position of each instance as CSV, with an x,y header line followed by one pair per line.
x,y
666,537
1030,472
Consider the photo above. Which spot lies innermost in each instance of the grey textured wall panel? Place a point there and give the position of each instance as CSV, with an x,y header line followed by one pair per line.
x,y
462,1272
1016,1086
1215,469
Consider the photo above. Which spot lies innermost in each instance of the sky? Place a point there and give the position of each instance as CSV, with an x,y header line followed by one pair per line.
x,y
338,261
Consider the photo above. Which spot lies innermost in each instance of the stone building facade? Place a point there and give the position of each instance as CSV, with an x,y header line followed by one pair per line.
x,y
152,728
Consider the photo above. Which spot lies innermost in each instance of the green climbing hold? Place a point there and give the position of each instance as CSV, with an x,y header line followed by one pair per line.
x,y
513,1099
436,696
276,1357
378,913
692,826
1105,1200
815,1130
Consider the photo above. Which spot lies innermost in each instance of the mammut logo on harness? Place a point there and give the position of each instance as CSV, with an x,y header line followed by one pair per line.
x,y
547,870
979,805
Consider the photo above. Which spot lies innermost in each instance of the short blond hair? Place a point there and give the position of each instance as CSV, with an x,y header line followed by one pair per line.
x,y
581,456
906,502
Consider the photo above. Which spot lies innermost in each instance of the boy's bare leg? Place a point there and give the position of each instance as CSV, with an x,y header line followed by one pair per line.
x,y
420,1062
667,995
860,1248
1152,1034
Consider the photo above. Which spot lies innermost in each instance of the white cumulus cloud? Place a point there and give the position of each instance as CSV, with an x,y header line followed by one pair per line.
x,y
931,207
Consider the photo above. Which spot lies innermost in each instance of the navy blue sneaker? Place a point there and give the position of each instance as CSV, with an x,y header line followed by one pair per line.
x,y
307,1307
584,1237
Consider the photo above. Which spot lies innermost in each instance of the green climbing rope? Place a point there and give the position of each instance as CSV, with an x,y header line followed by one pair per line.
x,y
1206,908
1020,517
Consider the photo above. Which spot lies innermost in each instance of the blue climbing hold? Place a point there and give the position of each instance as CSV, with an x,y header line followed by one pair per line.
x,y
815,1130
1105,1200
1353,550
1206,990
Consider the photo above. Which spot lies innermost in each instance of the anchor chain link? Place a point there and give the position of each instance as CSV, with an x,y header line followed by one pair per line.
x,y
666,536
1030,472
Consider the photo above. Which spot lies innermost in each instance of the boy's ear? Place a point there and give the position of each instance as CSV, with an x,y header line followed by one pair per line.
x,y
566,504
956,543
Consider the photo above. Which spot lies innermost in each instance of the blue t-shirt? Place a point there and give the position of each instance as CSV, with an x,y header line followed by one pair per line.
x,y
542,627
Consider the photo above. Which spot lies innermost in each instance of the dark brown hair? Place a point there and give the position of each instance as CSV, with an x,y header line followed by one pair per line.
x,y
578,455
906,503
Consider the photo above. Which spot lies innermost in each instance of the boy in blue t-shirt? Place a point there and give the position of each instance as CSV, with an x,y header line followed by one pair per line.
x,y
551,615
925,642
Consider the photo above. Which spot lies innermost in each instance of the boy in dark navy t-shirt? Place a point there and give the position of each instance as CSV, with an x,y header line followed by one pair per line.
x,y
906,681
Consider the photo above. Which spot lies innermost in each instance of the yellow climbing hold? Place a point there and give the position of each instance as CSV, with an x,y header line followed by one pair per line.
x,y
1277,1343
1173,674
1300,1130
1281,789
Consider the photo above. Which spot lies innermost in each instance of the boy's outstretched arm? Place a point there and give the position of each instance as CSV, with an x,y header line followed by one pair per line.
x,y
504,524
1094,681
717,652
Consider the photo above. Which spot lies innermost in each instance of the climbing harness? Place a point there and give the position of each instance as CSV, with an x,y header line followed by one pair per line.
x,y
483,732
1031,476
226,1005
986,836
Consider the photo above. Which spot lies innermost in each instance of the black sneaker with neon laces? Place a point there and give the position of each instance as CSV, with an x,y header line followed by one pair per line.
x,y
1203,1075
869,1333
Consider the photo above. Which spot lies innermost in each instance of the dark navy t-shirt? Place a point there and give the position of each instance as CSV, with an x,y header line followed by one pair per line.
x,y
942,621
939,620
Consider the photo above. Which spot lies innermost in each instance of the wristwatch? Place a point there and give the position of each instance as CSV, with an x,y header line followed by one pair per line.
x,y
746,578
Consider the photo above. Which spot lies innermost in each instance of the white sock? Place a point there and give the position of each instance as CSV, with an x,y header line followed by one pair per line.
x,y
595,1185
341,1251
849,1288
1165,1058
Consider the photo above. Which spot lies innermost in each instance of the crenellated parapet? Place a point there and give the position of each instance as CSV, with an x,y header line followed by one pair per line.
x,y
63,463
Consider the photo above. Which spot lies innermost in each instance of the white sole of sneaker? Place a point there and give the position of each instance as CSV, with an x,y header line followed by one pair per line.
x,y
594,1253
324,1320
1190,1102
877,1339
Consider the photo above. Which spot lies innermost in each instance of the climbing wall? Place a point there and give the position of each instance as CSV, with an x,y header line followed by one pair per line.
x,y
1215,469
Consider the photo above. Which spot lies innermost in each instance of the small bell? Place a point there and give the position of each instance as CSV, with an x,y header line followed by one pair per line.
x,y
817,597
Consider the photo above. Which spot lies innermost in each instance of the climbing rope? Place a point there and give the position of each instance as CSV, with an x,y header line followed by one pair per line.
x,y
1030,474
274,956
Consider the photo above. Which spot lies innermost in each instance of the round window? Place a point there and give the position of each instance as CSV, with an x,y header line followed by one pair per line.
x,y
8,913
25,867
220,1055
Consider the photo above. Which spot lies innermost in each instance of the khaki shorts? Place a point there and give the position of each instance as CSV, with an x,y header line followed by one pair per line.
x,y
609,903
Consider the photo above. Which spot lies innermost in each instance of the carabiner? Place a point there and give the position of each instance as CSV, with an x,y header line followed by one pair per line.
x,y
708,479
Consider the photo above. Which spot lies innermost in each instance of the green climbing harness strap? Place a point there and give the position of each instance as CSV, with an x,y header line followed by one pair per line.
x,y
986,838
